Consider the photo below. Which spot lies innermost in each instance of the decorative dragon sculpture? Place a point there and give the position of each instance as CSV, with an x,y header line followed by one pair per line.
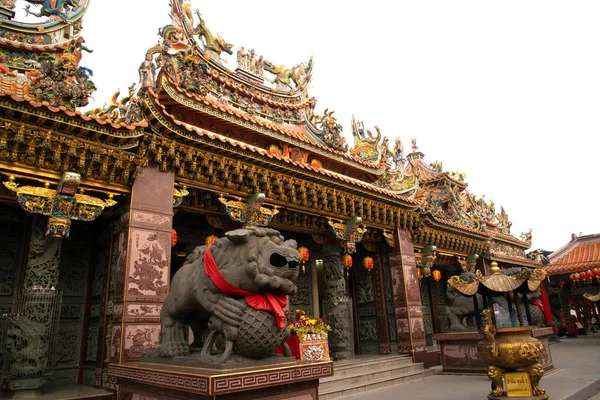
x,y
212,42
300,74
331,130
49,8
366,146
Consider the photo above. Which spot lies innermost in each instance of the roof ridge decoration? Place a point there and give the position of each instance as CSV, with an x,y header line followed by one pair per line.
x,y
44,61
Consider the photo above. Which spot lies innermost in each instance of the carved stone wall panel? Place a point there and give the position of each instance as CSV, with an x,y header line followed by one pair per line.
x,y
149,259
114,339
12,243
303,297
407,298
144,310
68,344
43,258
119,265
150,220
139,338
92,342
74,262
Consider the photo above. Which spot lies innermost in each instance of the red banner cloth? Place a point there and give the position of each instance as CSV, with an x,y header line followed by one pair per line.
x,y
258,301
546,302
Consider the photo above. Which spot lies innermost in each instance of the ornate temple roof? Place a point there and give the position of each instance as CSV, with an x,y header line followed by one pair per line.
x,y
186,95
579,254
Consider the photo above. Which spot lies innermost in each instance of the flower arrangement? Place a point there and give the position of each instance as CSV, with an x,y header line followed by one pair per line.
x,y
302,325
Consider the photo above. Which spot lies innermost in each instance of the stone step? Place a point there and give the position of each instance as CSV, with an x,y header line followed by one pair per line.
x,y
349,367
367,374
381,382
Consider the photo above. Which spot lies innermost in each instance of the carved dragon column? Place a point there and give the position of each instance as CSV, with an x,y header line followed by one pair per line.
x,y
338,306
142,271
407,298
37,303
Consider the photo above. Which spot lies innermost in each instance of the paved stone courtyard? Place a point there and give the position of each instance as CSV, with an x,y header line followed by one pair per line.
x,y
576,377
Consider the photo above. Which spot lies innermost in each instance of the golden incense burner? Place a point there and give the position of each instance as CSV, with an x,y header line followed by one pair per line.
x,y
511,348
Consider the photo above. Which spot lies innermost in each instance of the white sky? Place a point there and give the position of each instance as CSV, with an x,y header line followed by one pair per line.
x,y
506,91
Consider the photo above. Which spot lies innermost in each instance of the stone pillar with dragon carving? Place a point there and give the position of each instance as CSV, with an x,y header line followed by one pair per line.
x,y
407,298
142,272
337,304
36,307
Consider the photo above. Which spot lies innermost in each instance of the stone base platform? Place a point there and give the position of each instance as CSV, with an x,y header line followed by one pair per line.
x,y
72,392
297,381
459,351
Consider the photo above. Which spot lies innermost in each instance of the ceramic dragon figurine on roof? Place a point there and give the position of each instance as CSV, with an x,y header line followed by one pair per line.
x,y
51,8
366,146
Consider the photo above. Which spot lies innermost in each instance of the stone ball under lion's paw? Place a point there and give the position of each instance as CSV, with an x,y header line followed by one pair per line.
x,y
258,334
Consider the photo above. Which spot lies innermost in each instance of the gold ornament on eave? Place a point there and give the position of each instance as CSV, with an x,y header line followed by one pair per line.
x,y
61,205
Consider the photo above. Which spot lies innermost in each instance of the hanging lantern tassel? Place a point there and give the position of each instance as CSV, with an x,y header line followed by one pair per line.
x,y
368,263
173,237
437,275
210,240
304,256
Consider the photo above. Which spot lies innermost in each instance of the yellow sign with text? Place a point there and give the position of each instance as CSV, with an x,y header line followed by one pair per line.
x,y
517,384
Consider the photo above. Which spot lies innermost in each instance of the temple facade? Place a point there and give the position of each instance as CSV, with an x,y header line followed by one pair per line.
x,y
574,271
100,208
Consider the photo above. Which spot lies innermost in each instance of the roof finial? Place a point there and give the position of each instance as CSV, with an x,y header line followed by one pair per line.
x,y
415,148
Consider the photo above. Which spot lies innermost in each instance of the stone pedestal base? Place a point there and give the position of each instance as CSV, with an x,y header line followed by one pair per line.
x,y
72,392
160,382
459,351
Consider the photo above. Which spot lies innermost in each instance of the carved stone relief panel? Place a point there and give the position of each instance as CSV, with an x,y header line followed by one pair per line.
x,y
67,347
148,263
139,338
304,295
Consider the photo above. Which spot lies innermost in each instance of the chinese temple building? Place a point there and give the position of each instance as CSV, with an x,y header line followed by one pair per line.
x,y
574,272
100,208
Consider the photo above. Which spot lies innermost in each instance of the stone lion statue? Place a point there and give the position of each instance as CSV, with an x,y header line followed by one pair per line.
x,y
231,294
460,309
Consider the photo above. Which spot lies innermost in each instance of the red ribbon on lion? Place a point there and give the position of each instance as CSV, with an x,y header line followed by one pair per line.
x,y
258,301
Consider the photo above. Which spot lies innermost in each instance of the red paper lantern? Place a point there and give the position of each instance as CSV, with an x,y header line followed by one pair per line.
x,y
304,254
210,240
575,277
347,260
368,263
173,237
436,274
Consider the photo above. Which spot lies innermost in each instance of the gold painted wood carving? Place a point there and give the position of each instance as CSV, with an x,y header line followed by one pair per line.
x,y
251,212
62,204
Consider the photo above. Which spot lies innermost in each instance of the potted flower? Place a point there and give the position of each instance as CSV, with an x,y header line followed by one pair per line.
x,y
311,335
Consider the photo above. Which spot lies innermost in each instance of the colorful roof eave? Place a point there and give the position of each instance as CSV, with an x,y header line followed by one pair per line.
x,y
113,129
36,47
513,260
268,128
444,176
202,135
438,223
565,269
510,239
